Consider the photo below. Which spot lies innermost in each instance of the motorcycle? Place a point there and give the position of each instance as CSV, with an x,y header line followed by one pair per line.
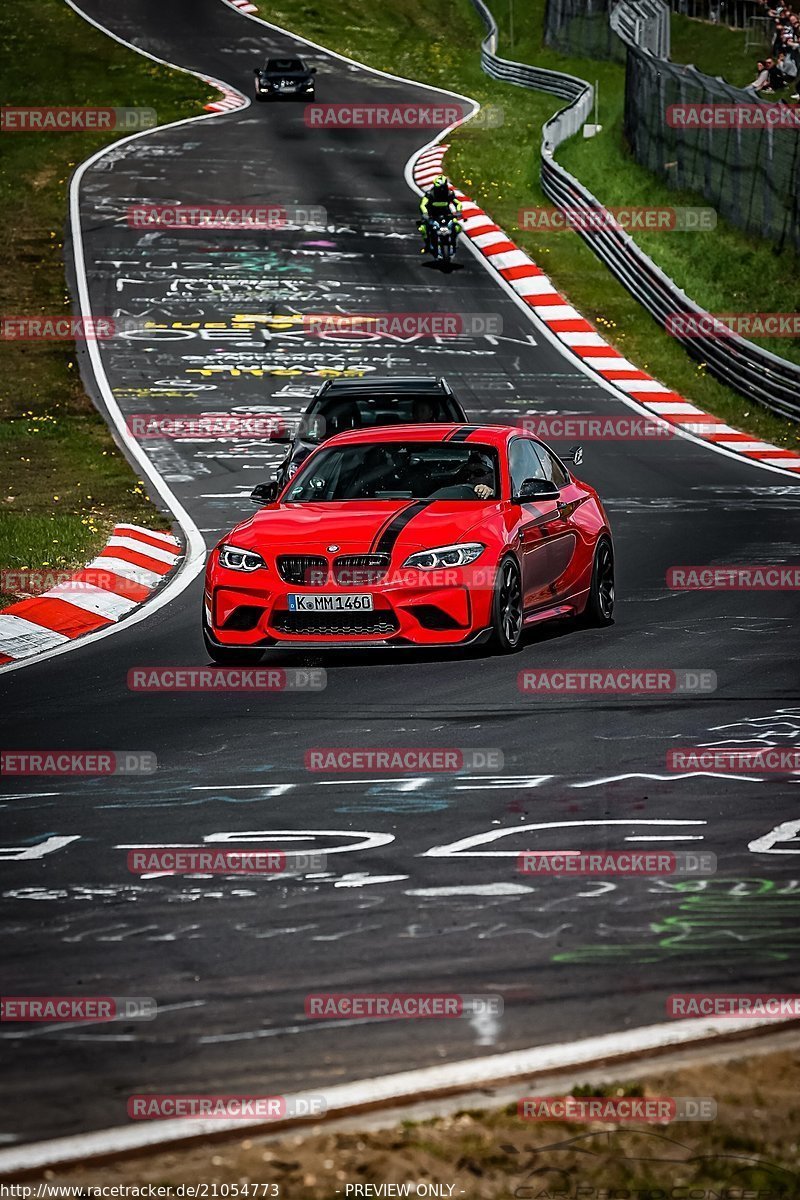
x,y
442,240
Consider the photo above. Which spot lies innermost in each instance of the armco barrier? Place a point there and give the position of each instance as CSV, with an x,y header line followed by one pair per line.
x,y
748,369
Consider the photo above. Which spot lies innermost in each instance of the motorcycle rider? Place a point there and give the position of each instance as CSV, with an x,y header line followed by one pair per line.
x,y
439,203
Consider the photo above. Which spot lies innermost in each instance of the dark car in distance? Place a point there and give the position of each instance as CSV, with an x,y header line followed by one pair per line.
x,y
342,405
284,77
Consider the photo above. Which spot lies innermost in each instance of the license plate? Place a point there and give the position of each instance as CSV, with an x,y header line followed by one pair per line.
x,y
326,602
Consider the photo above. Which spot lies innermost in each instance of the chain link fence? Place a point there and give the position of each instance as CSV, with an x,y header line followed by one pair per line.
x,y
583,28
750,175
735,13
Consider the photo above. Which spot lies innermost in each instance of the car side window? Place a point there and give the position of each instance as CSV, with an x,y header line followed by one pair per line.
x,y
552,467
523,463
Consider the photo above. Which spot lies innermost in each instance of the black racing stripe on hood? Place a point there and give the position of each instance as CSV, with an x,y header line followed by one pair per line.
x,y
462,434
385,542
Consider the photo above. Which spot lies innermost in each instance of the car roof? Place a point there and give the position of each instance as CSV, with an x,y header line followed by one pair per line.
x,y
401,384
487,435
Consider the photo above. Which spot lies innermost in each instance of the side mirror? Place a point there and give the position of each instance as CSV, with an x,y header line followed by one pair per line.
x,y
574,455
256,70
313,70
537,489
264,493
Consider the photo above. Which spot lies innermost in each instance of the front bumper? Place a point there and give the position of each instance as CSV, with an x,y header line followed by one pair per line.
x,y
271,93
242,612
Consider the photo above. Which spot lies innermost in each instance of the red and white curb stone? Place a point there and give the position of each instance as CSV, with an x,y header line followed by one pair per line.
x,y
244,6
231,99
583,340
127,571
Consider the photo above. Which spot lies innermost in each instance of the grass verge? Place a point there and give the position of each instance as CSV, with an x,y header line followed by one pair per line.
x,y
749,1152
716,50
64,483
725,271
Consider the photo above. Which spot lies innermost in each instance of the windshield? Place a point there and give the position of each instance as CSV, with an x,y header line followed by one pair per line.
x,y
284,64
338,414
398,471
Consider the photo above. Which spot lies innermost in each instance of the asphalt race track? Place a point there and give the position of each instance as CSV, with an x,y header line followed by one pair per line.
x,y
230,961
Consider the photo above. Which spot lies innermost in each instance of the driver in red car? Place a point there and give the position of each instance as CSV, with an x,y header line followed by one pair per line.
x,y
478,472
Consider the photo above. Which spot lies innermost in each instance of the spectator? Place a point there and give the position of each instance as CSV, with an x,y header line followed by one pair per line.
x,y
777,79
786,66
761,82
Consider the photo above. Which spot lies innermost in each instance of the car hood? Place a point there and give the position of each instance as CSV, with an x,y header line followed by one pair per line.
x,y
356,526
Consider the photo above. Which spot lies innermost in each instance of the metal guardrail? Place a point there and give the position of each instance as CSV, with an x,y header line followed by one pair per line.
x,y
645,23
753,372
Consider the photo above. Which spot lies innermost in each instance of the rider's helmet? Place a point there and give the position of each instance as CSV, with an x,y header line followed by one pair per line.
x,y
441,187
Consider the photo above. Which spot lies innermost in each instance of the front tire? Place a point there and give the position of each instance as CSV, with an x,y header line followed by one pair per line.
x,y
507,607
600,605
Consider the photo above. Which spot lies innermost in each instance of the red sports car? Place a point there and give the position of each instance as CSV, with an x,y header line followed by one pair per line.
x,y
421,535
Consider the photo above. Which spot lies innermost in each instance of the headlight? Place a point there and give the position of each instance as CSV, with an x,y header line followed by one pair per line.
x,y
445,556
236,559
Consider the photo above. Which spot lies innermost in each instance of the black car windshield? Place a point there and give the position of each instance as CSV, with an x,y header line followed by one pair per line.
x,y
398,471
338,414
284,64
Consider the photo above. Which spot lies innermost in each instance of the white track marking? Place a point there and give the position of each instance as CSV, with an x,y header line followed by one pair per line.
x,y
464,846
26,853
787,832
387,1090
